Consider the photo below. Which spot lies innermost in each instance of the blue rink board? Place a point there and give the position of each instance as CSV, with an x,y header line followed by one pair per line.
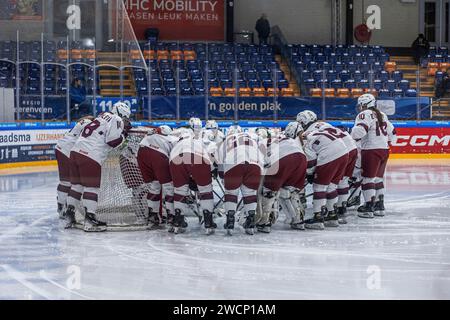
x,y
243,123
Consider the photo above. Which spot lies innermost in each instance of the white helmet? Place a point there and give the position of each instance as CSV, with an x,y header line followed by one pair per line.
x,y
293,130
121,109
262,133
212,125
306,118
234,130
195,124
165,130
367,101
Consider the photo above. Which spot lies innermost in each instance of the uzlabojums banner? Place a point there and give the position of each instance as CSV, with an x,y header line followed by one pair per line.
x,y
165,107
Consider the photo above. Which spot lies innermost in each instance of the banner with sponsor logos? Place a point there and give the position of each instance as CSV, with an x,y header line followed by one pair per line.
x,y
27,142
165,107
422,140
29,145
199,20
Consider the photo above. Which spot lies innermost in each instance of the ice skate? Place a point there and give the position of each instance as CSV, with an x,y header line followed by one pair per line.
x,y
354,201
61,212
210,226
91,224
379,209
249,224
332,219
170,221
229,224
70,217
366,211
180,223
264,228
153,220
316,222
342,213
298,226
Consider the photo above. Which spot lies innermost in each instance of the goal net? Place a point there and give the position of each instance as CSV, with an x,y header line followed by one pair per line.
x,y
122,201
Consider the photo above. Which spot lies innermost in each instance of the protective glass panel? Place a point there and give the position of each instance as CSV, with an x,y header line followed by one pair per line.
x,y
66,57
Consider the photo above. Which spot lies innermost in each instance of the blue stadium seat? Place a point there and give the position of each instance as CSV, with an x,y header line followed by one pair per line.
x,y
363,84
383,76
397,93
404,85
391,85
350,84
283,83
411,93
384,93
267,83
336,84
344,75
397,76
377,84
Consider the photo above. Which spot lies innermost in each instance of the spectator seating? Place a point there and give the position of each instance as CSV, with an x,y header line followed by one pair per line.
x,y
346,70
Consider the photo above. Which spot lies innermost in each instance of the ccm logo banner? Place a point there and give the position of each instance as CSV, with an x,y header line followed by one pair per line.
x,y
422,140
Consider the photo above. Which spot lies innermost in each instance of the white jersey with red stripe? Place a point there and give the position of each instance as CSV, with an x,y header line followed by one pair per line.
x,y
371,133
237,149
324,145
283,146
100,136
348,140
158,142
66,143
190,145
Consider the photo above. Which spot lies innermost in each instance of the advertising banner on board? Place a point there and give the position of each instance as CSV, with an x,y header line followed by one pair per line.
x,y
199,20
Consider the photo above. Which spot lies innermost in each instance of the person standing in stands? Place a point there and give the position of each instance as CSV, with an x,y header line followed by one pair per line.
x,y
79,105
263,29
421,47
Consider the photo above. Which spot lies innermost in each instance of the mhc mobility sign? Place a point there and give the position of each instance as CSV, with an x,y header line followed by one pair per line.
x,y
200,20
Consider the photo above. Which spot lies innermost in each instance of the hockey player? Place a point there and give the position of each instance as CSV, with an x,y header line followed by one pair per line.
x,y
153,159
62,152
284,179
190,162
212,132
106,132
327,160
356,181
240,162
374,130
343,186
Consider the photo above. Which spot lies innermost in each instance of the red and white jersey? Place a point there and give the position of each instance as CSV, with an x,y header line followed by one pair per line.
x,y
100,136
66,143
348,140
373,135
160,143
237,149
190,146
324,145
281,147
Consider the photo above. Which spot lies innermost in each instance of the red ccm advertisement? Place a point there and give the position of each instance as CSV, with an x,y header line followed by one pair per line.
x,y
422,140
198,20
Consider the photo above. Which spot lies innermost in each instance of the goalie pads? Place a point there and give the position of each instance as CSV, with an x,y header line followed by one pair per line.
x,y
291,205
268,208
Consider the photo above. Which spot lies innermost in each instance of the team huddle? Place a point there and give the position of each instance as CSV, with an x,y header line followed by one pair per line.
x,y
262,173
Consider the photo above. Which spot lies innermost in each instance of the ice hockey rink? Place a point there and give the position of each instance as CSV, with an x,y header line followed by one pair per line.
x,y
405,255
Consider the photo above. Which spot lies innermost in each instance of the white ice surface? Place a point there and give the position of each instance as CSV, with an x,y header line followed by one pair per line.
x,y
409,250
